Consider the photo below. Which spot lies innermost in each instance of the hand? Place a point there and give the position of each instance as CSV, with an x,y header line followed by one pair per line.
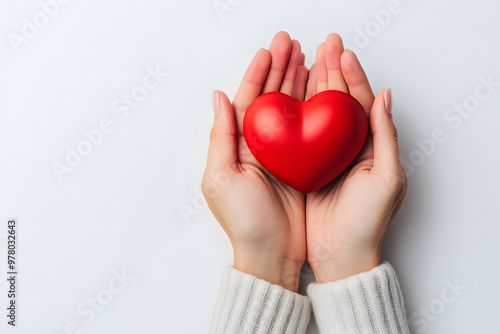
x,y
263,218
346,220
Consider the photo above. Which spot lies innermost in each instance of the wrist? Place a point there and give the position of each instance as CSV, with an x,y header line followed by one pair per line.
x,y
275,270
344,265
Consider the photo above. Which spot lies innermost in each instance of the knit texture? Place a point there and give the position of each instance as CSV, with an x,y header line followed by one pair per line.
x,y
247,304
370,302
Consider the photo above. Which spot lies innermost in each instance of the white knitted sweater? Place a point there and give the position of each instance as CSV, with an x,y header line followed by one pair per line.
x,y
370,302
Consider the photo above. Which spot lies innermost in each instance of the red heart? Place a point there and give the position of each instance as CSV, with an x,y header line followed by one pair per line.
x,y
305,144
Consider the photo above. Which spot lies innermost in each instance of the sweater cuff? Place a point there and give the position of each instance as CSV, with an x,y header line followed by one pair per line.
x,y
370,302
247,304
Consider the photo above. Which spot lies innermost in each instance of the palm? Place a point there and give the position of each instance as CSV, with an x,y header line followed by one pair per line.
x,y
337,214
269,213
276,210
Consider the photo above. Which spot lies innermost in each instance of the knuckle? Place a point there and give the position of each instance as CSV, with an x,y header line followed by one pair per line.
x,y
405,185
398,181
205,188
215,133
393,131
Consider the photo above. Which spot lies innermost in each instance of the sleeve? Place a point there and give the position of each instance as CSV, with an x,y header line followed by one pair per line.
x,y
247,304
370,302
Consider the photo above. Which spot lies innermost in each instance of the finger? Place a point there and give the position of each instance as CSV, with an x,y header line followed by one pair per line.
x,y
299,88
222,150
385,139
356,80
312,82
333,51
291,69
251,85
280,53
321,72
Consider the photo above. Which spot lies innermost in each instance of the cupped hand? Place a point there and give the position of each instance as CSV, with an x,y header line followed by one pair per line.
x,y
263,218
347,219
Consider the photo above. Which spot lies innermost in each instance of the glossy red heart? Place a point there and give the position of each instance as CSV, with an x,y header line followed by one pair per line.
x,y
305,144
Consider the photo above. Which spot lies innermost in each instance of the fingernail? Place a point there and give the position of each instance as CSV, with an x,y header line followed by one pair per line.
x,y
215,101
388,100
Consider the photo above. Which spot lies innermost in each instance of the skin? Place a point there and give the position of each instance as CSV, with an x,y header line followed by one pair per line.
x,y
263,217
346,220
273,227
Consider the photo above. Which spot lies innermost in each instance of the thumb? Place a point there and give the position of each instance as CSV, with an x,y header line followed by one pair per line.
x,y
385,137
222,150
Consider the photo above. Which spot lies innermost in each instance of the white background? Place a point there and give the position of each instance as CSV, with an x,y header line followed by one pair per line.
x,y
120,209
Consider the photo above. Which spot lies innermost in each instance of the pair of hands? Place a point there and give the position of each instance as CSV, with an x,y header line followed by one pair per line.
x,y
274,228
